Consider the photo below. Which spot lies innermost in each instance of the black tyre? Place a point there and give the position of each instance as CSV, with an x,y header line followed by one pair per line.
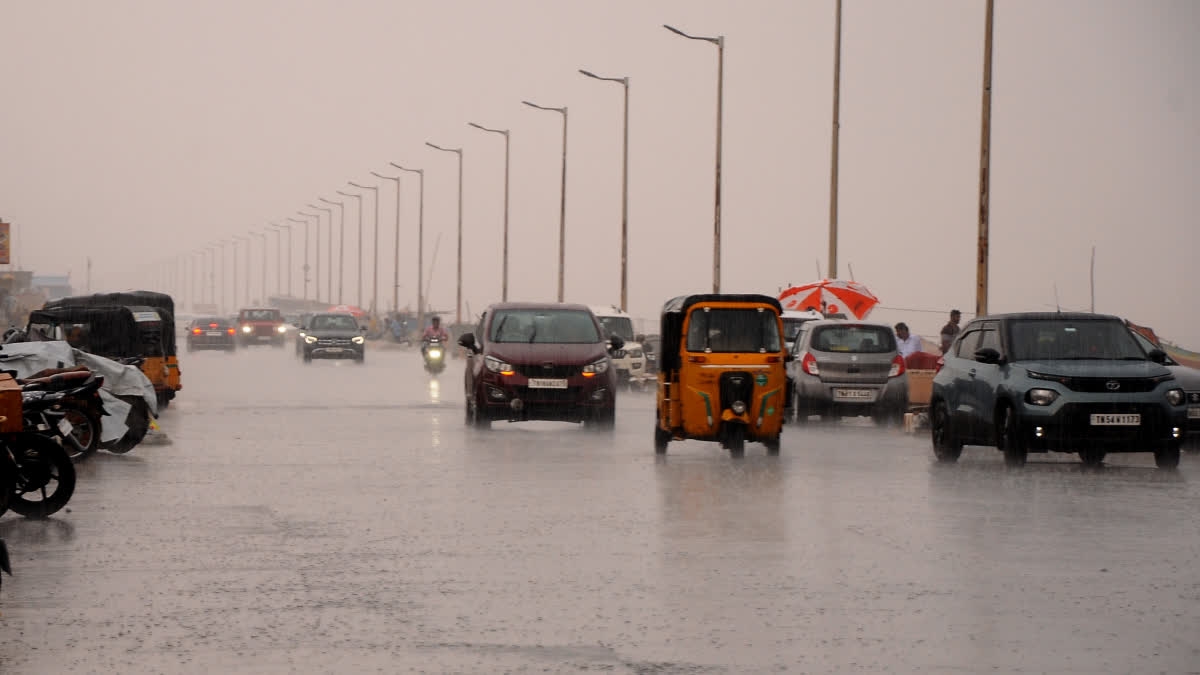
x,y
661,438
138,423
85,427
946,447
45,476
307,357
603,420
476,417
1092,457
799,413
1167,457
1010,441
735,439
772,445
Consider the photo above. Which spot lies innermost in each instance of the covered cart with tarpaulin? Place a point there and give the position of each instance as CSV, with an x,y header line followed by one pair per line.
x,y
165,306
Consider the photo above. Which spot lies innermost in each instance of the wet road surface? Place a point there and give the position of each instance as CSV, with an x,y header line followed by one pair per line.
x,y
340,517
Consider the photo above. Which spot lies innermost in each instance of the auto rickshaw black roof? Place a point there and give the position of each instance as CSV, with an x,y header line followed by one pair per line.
x,y
675,309
162,302
112,329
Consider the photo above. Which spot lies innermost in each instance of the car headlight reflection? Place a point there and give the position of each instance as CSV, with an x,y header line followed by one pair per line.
x,y
1175,396
358,339
1041,396
245,329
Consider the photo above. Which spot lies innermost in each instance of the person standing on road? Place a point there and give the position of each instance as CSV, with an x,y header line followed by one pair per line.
x,y
906,343
950,330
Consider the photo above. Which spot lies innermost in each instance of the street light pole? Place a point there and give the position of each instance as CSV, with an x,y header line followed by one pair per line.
x,y
420,244
304,268
562,200
985,162
237,238
263,297
374,250
341,246
833,162
719,41
458,292
396,260
359,267
278,230
504,273
624,81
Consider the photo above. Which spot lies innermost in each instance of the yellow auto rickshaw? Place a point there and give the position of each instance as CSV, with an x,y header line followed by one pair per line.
x,y
721,372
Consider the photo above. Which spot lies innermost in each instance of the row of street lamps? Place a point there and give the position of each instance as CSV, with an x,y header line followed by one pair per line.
x,y
278,228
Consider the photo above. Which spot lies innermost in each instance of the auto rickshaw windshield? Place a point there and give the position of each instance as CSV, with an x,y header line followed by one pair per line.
x,y
733,330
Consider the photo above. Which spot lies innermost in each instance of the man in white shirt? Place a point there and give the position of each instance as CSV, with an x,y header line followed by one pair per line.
x,y
906,343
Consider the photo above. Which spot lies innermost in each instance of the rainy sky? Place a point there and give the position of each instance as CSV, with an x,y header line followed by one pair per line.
x,y
138,132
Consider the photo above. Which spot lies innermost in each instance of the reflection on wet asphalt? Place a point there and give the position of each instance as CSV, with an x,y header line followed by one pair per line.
x,y
337,516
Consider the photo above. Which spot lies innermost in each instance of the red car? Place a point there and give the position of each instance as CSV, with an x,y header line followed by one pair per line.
x,y
534,361
261,326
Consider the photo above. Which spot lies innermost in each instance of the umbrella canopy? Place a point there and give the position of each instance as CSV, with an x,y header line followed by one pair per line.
x,y
349,309
832,296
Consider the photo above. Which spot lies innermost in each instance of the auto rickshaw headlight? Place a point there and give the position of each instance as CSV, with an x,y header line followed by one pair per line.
x,y
738,407
594,368
245,329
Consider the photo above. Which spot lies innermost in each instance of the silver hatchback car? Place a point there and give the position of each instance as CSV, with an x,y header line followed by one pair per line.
x,y
846,369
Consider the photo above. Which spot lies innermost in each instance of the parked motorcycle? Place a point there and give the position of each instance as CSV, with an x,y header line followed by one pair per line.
x,y
435,355
65,404
36,473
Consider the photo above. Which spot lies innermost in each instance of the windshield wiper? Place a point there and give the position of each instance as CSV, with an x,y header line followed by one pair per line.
x,y
499,326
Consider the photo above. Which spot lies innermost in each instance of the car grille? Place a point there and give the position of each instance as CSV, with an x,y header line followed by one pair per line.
x,y
1100,385
334,342
1077,422
568,395
551,371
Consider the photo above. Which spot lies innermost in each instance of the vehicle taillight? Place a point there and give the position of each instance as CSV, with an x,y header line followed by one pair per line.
x,y
809,364
212,325
196,331
938,365
230,331
897,366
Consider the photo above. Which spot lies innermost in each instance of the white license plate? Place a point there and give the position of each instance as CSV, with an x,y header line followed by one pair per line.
x,y
853,394
214,333
545,383
1194,412
1116,420
65,427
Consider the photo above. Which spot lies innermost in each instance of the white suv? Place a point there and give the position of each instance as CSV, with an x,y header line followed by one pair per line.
x,y
630,360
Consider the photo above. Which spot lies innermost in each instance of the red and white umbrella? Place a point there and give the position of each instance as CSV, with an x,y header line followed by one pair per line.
x,y
833,296
348,309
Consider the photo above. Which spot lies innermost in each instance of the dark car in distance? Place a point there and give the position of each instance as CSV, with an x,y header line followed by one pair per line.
x,y
540,361
210,332
1062,382
333,335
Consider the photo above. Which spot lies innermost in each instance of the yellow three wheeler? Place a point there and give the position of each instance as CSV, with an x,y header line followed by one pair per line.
x,y
722,371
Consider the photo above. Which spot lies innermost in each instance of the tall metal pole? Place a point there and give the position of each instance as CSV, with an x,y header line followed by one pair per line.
x,y
247,240
359,296
305,267
562,201
504,264
833,171
420,244
341,248
985,160
458,290
396,254
278,230
624,81
374,250
263,297
719,41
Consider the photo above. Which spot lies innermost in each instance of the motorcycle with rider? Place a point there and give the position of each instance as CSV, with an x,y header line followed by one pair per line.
x,y
434,341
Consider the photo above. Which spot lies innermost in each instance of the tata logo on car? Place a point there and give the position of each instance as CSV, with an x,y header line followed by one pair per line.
x,y
1112,385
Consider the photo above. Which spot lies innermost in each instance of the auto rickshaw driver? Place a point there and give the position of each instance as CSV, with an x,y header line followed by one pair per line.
x,y
721,371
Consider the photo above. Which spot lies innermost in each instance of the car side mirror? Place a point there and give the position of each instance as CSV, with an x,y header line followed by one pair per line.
x,y
1158,356
615,342
468,340
987,355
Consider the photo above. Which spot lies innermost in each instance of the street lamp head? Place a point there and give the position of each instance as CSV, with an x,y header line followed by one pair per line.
x,y
562,110
327,201
349,194
715,41
364,187
483,128
379,175
402,168
438,147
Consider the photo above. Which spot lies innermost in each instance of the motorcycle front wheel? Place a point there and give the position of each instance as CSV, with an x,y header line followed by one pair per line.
x,y
45,476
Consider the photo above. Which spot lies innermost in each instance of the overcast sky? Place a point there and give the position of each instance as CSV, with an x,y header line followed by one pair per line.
x,y
137,132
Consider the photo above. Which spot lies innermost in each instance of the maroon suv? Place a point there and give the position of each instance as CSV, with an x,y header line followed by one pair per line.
x,y
533,361
261,326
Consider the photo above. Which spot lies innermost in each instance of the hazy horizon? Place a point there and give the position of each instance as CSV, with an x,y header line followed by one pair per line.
x,y
137,132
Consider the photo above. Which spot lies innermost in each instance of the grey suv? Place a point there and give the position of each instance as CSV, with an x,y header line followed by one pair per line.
x,y
847,368
1063,382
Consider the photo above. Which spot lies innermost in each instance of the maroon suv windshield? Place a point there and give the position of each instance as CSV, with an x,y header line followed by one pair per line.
x,y
544,326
